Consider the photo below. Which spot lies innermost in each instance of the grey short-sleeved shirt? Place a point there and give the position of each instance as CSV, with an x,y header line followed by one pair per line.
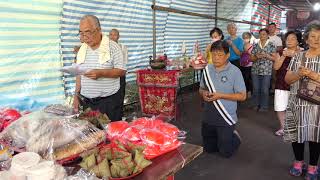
x,y
227,81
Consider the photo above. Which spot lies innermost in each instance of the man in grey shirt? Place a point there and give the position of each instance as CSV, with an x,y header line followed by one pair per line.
x,y
99,87
221,87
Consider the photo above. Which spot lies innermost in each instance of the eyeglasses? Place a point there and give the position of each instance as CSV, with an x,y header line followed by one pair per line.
x,y
86,33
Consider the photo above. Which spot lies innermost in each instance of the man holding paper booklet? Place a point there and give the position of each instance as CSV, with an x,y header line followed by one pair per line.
x,y
98,88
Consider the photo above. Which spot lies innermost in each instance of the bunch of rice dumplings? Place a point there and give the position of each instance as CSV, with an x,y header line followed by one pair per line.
x,y
114,161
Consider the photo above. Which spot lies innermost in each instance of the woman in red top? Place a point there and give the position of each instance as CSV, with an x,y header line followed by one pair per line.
x,y
282,89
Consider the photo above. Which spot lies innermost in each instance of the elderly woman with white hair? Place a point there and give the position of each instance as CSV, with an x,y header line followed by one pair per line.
x,y
302,122
235,44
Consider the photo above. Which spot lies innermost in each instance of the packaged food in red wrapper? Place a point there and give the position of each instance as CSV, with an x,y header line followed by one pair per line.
x,y
151,152
132,133
7,116
147,122
153,134
154,137
168,129
115,129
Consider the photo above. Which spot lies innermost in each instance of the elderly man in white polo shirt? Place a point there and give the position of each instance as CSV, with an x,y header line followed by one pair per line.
x,y
98,89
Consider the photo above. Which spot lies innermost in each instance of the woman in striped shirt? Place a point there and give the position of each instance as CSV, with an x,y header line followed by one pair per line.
x,y
302,122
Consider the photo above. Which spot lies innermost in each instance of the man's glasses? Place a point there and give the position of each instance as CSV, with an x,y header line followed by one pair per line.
x,y
86,33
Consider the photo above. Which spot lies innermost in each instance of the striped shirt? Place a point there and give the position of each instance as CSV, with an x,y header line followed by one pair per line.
x,y
303,117
102,87
124,49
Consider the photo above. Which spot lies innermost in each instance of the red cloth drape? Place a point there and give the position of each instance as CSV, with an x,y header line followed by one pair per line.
x,y
158,91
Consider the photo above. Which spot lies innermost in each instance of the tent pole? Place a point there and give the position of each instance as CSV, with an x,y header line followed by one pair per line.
x,y
216,15
166,9
154,30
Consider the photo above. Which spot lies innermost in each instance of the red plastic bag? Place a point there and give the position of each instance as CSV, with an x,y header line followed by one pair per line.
x,y
115,129
9,114
146,122
168,129
132,133
151,152
154,137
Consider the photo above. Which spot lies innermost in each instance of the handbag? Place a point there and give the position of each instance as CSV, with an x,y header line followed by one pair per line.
x,y
309,89
245,58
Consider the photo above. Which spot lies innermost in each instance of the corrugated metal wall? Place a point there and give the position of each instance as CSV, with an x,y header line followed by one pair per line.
x,y
236,10
29,53
261,12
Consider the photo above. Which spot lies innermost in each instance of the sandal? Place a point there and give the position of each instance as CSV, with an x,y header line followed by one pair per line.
x,y
312,173
279,132
297,168
310,176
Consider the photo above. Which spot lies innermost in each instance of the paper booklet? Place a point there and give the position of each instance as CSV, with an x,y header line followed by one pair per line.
x,y
75,69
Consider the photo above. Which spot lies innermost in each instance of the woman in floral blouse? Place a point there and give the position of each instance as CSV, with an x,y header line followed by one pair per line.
x,y
262,55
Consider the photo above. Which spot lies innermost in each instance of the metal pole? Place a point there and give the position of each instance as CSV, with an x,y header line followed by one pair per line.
x,y
154,38
161,8
216,15
269,9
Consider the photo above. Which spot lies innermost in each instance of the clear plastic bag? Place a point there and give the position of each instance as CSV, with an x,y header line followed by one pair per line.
x,y
30,166
82,175
53,137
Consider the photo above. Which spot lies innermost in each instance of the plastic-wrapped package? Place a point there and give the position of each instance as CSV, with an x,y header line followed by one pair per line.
x,y
132,133
53,137
115,129
7,116
158,142
30,166
168,129
82,175
147,122
59,109
157,136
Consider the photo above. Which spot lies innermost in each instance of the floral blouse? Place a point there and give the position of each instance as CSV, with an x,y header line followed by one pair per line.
x,y
263,66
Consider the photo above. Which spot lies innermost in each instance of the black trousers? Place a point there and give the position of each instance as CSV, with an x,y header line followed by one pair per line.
x,y
220,139
122,92
246,73
314,148
110,105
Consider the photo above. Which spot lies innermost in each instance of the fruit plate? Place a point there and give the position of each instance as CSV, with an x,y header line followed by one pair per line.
x,y
157,65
